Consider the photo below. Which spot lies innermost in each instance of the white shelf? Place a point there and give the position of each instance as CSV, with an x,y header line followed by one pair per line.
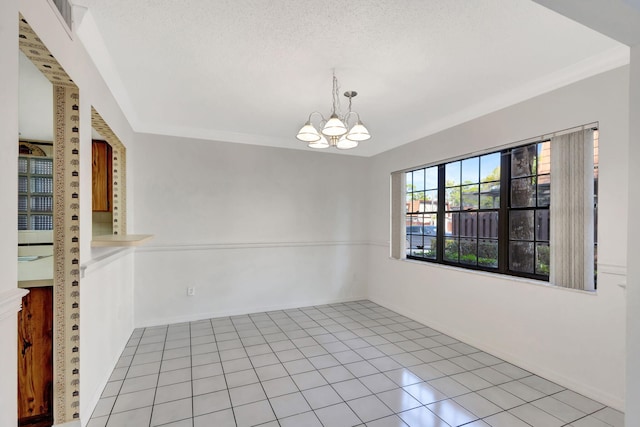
x,y
125,240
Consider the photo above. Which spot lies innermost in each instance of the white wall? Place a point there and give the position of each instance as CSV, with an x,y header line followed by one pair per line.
x,y
106,292
252,228
107,322
9,383
8,144
8,220
574,338
36,102
633,283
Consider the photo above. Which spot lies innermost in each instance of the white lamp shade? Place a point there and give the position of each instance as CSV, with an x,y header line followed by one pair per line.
x,y
346,144
321,143
334,126
308,133
358,133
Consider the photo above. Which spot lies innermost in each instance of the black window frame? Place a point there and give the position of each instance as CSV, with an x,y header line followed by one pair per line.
x,y
535,207
503,210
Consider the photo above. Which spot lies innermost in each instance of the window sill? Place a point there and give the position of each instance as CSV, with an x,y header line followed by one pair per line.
x,y
125,240
495,276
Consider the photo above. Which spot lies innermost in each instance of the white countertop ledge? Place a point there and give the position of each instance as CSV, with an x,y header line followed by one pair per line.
x,y
11,302
120,240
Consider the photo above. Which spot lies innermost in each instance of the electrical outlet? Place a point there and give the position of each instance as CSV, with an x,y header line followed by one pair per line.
x,y
191,291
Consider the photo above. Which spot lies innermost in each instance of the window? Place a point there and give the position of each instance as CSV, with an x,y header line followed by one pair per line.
x,y
422,216
472,202
492,212
35,188
530,194
64,7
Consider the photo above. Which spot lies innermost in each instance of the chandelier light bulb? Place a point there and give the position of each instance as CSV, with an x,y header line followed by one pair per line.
x,y
358,133
308,133
334,126
346,144
321,143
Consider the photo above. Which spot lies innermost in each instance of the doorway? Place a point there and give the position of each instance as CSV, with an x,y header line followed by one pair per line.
x,y
49,389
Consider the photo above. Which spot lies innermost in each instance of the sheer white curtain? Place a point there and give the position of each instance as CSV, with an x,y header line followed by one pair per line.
x,y
571,210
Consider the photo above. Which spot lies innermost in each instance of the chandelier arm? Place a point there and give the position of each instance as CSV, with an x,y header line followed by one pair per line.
x,y
346,116
316,112
321,116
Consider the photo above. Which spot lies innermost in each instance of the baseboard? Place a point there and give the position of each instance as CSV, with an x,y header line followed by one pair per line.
x,y
74,423
551,375
241,311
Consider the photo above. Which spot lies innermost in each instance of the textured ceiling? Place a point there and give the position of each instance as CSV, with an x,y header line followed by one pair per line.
x,y
251,71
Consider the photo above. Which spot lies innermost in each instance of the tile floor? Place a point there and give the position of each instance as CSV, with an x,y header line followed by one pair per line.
x,y
350,364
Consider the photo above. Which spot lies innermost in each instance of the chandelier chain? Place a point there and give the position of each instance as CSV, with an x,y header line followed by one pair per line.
x,y
336,96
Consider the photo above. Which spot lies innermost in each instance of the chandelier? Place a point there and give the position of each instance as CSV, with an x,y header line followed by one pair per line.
x,y
335,131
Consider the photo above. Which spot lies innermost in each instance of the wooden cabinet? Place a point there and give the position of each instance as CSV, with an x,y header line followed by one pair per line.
x,y
102,181
35,358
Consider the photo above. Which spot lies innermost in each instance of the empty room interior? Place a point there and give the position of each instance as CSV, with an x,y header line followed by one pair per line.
x,y
291,213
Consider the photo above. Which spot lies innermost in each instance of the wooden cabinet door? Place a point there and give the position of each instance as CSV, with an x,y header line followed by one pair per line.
x,y
101,176
35,358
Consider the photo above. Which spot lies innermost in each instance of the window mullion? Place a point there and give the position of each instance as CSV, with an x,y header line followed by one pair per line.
x,y
503,213
440,232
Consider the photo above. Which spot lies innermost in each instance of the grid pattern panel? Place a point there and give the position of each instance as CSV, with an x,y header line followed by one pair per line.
x,y
35,193
529,221
422,212
472,211
350,364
